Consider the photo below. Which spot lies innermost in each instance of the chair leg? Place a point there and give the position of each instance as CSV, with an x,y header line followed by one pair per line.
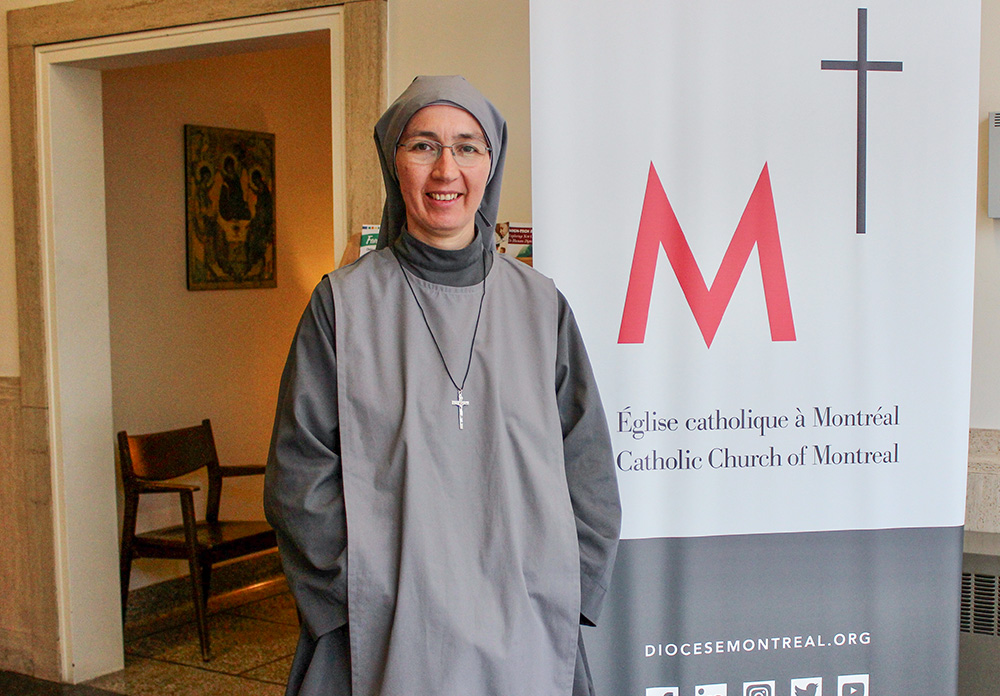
x,y
200,609
206,583
194,563
126,574
125,551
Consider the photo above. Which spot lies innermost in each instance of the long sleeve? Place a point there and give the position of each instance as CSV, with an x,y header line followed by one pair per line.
x,y
303,488
590,471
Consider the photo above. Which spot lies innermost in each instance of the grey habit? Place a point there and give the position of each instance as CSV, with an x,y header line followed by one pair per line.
x,y
474,554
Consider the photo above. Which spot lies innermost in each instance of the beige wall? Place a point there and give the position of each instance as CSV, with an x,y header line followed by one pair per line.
x,y
28,629
8,304
985,406
178,356
29,622
423,40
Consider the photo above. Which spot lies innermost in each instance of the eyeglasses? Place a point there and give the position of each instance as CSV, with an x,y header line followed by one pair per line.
x,y
467,153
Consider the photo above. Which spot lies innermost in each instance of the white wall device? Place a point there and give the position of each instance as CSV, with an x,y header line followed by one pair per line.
x,y
993,177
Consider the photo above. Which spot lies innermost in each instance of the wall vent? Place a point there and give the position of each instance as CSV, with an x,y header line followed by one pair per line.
x,y
965,613
980,604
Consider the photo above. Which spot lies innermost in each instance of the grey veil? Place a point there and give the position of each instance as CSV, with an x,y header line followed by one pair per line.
x,y
425,91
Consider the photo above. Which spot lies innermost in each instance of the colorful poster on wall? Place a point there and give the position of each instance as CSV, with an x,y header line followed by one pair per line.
x,y
782,223
514,239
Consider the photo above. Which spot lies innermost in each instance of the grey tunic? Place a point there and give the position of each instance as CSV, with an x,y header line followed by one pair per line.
x,y
473,553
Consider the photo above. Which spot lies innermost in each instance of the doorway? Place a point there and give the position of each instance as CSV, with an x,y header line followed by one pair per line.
x,y
69,373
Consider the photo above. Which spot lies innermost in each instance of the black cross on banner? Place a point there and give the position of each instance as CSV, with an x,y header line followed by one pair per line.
x,y
862,65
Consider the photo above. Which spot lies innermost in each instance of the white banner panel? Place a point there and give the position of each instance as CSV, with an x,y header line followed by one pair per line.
x,y
781,329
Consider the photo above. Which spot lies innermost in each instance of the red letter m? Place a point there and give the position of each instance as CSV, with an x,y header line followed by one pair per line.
x,y
658,225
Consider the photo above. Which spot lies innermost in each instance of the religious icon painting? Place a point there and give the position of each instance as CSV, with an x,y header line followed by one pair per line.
x,y
229,183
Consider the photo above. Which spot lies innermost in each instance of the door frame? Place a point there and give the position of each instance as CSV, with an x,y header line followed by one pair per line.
x,y
55,53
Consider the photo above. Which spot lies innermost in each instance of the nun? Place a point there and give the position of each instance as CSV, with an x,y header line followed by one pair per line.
x,y
441,476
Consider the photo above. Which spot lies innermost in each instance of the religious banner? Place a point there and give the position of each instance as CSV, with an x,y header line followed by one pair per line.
x,y
763,215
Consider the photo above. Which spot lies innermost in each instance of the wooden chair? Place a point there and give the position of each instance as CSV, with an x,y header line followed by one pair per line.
x,y
147,462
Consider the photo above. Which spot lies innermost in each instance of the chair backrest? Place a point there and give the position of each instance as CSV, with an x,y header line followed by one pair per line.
x,y
168,454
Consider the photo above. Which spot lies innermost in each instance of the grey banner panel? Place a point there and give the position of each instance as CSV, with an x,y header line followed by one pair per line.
x,y
869,613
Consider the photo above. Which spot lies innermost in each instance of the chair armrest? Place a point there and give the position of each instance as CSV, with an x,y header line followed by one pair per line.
x,y
158,487
247,470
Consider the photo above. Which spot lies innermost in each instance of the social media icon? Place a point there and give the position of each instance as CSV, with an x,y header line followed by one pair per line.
x,y
663,691
852,685
807,686
758,688
711,690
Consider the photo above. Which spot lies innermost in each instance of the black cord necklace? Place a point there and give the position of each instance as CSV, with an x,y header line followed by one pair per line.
x,y
460,402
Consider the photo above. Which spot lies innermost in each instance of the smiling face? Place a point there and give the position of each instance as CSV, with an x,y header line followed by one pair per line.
x,y
441,198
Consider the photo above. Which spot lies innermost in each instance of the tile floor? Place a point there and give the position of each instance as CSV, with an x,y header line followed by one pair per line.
x,y
253,639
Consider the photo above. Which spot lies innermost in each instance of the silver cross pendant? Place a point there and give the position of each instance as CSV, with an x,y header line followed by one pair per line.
x,y
461,403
